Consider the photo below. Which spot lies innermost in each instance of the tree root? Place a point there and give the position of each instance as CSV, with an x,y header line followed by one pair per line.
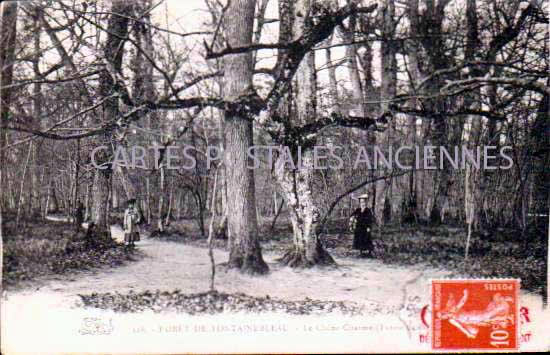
x,y
297,258
248,264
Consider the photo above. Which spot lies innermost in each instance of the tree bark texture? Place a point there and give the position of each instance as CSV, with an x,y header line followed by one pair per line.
x,y
113,52
295,184
245,253
7,50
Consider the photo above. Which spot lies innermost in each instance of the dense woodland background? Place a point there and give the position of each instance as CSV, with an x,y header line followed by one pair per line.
x,y
77,75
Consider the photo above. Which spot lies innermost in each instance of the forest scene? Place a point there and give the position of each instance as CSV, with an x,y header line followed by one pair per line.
x,y
201,225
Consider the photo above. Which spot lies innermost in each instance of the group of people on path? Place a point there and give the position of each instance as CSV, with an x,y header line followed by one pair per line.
x,y
360,223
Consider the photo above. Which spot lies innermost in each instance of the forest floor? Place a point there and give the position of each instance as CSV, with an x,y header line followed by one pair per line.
x,y
164,278
169,266
405,260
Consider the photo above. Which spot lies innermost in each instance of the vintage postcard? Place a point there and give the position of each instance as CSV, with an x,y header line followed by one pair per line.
x,y
274,176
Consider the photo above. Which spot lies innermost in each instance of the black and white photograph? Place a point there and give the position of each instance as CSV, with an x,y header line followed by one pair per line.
x,y
274,176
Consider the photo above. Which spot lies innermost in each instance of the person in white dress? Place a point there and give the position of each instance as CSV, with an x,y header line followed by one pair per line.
x,y
131,219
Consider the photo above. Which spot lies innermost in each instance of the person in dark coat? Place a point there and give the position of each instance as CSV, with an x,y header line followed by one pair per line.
x,y
79,215
361,222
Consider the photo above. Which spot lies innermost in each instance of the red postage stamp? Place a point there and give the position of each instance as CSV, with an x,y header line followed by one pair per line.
x,y
475,314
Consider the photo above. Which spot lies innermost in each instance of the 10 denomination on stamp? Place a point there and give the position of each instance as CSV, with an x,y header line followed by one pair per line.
x,y
475,314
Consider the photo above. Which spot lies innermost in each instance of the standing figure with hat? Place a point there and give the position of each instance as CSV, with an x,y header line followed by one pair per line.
x,y
131,218
361,222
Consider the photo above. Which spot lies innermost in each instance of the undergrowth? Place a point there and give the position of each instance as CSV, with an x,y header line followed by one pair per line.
x,y
49,248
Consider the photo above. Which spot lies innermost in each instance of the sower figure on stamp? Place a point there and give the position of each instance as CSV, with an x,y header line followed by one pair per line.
x,y
131,219
361,222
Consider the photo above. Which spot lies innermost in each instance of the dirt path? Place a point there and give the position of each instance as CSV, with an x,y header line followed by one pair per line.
x,y
169,266
49,310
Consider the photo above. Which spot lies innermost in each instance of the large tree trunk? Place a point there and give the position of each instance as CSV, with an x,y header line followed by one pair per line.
x,y
7,50
245,253
388,82
295,184
432,39
413,49
113,53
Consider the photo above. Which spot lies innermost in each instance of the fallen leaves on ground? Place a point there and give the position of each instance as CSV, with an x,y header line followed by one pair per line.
x,y
214,302
48,248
